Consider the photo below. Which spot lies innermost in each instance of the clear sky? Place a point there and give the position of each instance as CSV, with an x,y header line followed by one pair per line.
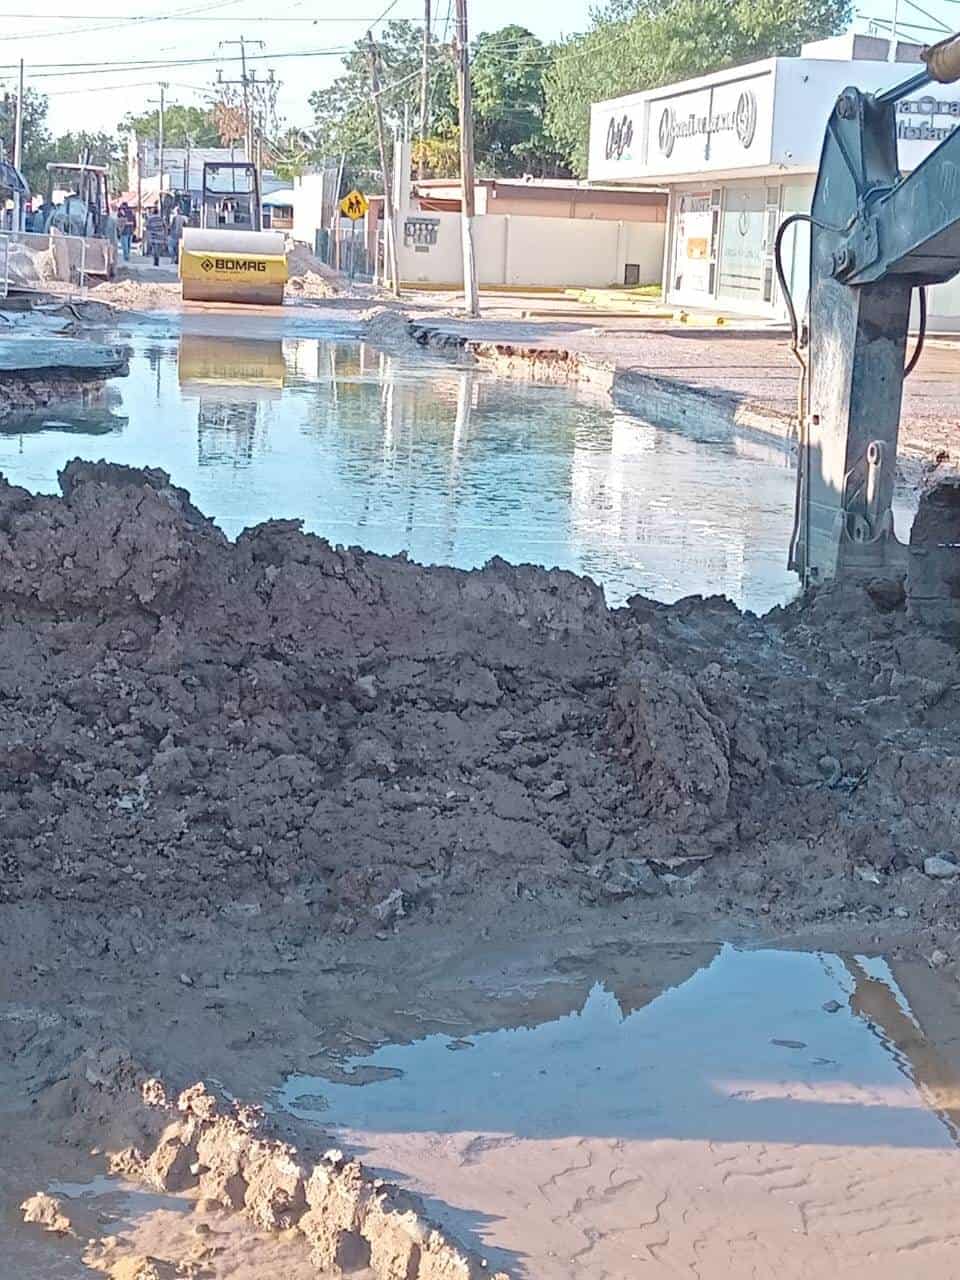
x,y
127,32
89,31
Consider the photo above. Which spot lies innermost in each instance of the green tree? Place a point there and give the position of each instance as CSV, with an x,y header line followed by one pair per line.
x,y
508,95
653,42
36,135
343,113
509,100
97,148
182,126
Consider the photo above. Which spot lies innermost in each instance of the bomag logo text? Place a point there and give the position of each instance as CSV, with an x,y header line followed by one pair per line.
x,y
239,264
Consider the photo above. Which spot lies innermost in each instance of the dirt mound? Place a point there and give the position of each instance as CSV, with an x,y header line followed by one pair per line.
x,y
138,295
387,327
192,724
310,276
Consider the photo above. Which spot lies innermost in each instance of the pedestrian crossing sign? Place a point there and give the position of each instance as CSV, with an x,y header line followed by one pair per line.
x,y
354,205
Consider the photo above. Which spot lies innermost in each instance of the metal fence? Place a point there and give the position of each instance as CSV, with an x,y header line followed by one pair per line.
x,y
344,246
50,262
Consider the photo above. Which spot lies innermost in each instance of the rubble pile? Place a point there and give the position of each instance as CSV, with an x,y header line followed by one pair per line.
x,y
190,722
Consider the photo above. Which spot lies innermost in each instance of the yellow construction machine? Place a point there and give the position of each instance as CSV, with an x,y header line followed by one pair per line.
x,y
229,258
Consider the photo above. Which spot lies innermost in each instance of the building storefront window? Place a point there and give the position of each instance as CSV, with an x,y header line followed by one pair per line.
x,y
722,246
742,244
695,242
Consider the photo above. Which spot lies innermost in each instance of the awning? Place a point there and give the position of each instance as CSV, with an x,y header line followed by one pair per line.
x,y
12,179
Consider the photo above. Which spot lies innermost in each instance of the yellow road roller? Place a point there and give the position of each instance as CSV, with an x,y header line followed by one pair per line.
x,y
228,258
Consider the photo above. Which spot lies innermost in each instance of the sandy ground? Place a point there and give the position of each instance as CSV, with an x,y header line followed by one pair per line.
x,y
729,1204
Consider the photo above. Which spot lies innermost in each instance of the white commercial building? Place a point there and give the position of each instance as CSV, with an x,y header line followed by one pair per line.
x,y
739,150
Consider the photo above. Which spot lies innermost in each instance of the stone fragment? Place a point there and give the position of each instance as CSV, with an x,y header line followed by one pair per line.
x,y
47,1212
939,867
630,878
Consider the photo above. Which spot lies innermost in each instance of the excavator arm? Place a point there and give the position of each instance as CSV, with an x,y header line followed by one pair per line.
x,y
876,236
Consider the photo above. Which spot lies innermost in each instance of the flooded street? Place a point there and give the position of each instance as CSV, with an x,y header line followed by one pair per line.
x,y
774,1113
463,875
450,465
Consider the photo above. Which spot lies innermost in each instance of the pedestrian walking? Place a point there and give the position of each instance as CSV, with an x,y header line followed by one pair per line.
x,y
156,235
125,222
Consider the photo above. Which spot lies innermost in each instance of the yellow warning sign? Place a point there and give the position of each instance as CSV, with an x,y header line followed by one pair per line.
x,y
354,205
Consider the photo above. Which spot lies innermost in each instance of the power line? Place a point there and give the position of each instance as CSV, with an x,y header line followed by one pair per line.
x,y
52,70
113,26
186,16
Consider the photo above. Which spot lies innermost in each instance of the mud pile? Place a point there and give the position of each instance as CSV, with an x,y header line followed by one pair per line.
x,y
309,276
194,725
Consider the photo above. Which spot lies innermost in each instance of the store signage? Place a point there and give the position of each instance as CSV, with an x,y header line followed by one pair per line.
x,y
917,117
740,120
619,137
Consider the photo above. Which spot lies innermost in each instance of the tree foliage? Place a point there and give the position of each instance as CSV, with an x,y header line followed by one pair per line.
x,y
36,135
508,98
182,126
97,148
343,113
653,42
509,102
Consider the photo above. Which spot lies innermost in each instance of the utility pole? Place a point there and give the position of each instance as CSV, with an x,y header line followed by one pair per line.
x,y
424,88
468,203
18,127
163,109
390,245
892,52
245,85
18,153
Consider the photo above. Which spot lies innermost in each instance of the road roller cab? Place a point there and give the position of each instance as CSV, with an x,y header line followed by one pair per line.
x,y
228,258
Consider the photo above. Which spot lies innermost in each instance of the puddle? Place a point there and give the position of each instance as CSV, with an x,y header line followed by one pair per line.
x,y
775,1103
450,465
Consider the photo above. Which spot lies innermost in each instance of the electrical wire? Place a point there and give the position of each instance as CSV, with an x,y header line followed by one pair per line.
x,y
803,444
123,22
52,70
177,16
921,334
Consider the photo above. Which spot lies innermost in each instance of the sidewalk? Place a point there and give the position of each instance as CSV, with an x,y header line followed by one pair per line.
x,y
742,373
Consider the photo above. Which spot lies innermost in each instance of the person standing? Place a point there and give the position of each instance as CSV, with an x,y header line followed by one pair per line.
x,y
125,227
177,223
155,234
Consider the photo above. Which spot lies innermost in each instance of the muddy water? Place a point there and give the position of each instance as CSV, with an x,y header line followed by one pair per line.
x,y
777,1113
450,465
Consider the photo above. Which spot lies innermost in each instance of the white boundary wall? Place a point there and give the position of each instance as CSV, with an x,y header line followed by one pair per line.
x,y
520,251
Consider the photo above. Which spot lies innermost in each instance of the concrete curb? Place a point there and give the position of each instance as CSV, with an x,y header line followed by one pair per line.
x,y
660,401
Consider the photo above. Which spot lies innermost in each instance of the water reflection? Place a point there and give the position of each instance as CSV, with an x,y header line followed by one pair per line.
x,y
233,382
743,1050
447,464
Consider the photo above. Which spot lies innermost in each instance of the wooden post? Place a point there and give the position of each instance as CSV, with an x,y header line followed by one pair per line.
x,y
467,168
424,88
335,220
390,244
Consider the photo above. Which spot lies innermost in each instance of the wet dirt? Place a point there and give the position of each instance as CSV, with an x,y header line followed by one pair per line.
x,y
262,798
781,1109
274,724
